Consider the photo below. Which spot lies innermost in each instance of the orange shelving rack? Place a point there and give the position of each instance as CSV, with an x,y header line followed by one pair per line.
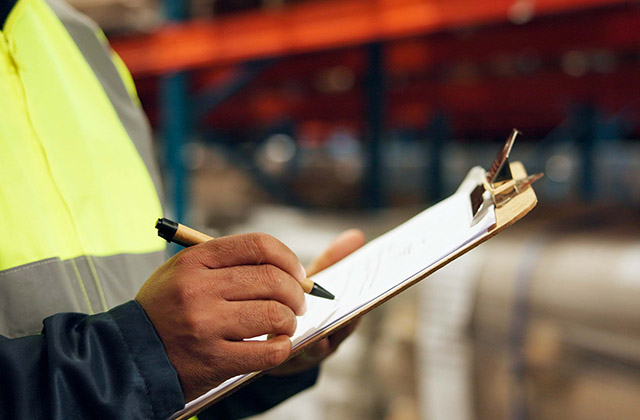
x,y
318,26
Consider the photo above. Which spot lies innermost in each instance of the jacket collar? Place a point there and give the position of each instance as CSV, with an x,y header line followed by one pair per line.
x,y
5,9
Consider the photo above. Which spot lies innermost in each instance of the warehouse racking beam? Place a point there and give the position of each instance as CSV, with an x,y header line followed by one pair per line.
x,y
317,26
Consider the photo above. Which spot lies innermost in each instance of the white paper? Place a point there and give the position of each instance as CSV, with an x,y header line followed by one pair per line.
x,y
386,263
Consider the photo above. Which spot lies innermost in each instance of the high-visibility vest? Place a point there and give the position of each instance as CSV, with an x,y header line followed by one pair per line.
x,y
78,185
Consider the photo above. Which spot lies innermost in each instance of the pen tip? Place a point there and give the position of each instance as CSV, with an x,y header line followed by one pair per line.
x,y
320,291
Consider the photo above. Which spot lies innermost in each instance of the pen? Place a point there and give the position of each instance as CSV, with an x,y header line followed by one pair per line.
x,y
185,236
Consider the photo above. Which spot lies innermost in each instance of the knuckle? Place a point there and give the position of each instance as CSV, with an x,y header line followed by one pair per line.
x,y
278,317
274,315
261,244
183,293
271,277
276,353
257,245
192,325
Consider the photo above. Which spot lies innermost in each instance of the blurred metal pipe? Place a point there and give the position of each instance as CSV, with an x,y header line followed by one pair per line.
x,y
174,104
375,112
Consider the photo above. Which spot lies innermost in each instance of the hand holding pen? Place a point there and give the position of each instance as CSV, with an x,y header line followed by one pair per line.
x,y
208,299
185,236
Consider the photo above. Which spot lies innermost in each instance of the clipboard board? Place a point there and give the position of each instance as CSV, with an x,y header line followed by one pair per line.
x,y
506,190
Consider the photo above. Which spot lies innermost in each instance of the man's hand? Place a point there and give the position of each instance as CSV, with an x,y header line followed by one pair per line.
x,y
343,245
206,299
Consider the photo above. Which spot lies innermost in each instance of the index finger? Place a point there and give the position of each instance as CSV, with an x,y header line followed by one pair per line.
x,y
250,249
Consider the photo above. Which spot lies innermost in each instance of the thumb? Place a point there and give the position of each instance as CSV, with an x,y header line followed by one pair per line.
x,y
343,245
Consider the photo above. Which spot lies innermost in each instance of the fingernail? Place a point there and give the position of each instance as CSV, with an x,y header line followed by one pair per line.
x,y
303,274
304,307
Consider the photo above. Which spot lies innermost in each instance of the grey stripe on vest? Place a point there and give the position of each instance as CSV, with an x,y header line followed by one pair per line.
x,y
37,290
96,53
122,275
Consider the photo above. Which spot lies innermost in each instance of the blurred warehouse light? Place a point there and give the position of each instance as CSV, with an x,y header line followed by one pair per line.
x,y
346,151
276,152
559,168
194,155
575,63
335,79
522,11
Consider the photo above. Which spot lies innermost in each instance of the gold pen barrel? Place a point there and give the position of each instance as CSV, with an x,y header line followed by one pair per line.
x,y
191,236
307,285
186,236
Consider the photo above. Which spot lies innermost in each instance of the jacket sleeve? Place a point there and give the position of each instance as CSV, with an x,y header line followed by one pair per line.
x,y
112,365
259,396
109,365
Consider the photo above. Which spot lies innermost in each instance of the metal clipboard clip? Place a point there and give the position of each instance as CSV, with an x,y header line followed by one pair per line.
x,y
498,186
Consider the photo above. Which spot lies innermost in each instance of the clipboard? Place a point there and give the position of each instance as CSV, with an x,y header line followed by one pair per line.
x,y
505,189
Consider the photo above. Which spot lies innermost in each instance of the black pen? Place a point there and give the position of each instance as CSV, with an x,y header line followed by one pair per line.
x,y
186,236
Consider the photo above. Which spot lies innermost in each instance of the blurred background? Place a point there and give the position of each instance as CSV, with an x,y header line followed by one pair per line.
x,y
303,118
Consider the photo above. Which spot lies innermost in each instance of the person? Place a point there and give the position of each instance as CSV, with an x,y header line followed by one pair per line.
x,y
79,196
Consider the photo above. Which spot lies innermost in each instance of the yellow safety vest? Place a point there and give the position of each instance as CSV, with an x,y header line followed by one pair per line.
x,y
77,194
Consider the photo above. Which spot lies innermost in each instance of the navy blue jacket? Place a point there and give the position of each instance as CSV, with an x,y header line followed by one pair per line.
x,y
90,367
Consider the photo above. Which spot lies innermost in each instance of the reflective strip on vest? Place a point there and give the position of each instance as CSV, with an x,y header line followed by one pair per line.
x,y
32,292
77,201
